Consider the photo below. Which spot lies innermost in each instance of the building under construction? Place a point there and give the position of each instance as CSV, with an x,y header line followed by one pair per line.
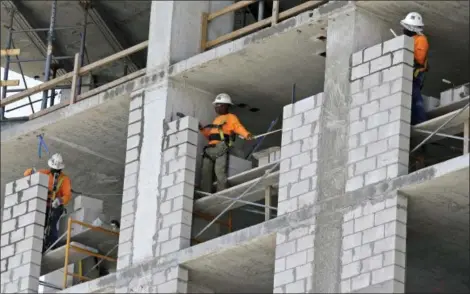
x,y
333,202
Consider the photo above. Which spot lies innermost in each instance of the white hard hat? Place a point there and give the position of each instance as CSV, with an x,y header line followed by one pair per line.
x,y
223,99
413,22
56,162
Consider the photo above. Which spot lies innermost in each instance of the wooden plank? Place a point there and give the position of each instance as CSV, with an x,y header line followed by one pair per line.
x,y
9,83
233,7
275,13
265,22
204,24
73,89
84,70
10,52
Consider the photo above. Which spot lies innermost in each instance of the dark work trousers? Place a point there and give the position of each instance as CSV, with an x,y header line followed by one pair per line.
x,y
418,113
52,221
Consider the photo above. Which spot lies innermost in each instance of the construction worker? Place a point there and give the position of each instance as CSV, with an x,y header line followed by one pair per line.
x,y
60,193
220,134
413,27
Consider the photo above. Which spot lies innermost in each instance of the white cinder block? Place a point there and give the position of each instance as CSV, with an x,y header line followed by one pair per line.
x,y
302,132
188,123
401,85
289,177
355,86
8,226
401,70
180,216
304,104
350,270
3,268
133,142
360,281
369,109
356,58
375,148
131,168
34,230
22,184
354,183
356,154
39,179
403,56
296,287
305,242
394,128
181,189
17,235
372,52
10,200
5,240
280,265
364,222
400,42
135,115
319,99
348,228
346,286
32,243
187,136
391,272
359,71
346,256
368,137
283,278
287,111
354,114
297,233
300,160
34,192
6,214
136,102
398,99
9,188
390,243
36,204
359,98
394,257
296,259
377,119
290,150
134,129
400,113
370,81
361,252
357,127
31,256
365,165
380,63
396,170
372,263
184,203
375,176
292,123
7,251
352,241
304,271
308,171
14,261
353,141
187,150
309,144
373,234
33,217
299,188
286,137
370,208
167,181
29,283
380,91
173,245
307,199
285,249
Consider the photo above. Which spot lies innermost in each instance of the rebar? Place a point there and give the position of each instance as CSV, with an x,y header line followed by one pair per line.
x,y
6,69
50,37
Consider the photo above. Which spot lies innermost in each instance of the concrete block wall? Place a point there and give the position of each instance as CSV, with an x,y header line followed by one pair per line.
x,y
23,233
298,168
293,268
374,246
173,279
177,181
380,112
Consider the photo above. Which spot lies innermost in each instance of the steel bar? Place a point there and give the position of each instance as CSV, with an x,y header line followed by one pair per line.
x,y
98,263
241,201
46,29
54,75
23,105
239,197
43,59
6,69
82,50
260,10
440,135
24,80
437,130
267,134
50,38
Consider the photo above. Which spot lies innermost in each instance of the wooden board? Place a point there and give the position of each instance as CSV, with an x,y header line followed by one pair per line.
x,y
10,52
452,128
54,259
9,83
214,205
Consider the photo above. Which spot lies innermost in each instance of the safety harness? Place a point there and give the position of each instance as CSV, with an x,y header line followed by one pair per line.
x,y
220,136
418,68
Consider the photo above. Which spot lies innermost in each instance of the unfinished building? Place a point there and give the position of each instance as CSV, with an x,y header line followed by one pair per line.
x,y
333,202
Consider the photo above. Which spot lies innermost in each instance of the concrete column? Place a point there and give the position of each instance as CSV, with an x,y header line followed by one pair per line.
x,y
175,30
374,246
23,234
380,112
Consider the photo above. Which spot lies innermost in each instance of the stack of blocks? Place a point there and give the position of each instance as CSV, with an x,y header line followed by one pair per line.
x,y
297,189
374,246
380,113
298,167
23,234
177,186
134,134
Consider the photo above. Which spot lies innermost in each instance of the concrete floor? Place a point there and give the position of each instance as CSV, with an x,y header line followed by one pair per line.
x,y
438,234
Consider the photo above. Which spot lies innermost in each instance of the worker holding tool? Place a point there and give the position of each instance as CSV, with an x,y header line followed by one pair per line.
x,y
413,27
60,193
221,134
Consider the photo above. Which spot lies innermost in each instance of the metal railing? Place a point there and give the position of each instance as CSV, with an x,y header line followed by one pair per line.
x,y
276,16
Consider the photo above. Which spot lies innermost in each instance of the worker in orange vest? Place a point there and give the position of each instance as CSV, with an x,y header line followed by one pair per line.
x,y
60,193
220,134
413,27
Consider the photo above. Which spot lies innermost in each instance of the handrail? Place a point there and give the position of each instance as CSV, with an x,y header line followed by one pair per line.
x,y
273,20
82,71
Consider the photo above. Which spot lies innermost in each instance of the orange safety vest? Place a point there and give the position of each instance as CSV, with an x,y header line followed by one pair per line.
x,y
421,46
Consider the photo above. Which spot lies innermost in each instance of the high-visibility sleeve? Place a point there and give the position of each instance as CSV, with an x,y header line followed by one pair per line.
x,y
66,190
237,127
206,132
421,49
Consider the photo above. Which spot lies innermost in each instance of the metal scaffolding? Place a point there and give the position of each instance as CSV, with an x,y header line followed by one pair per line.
x,y
51,64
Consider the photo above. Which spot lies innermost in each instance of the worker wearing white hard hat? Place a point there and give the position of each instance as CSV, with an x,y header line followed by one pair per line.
x,y
220,134
413,26
60,193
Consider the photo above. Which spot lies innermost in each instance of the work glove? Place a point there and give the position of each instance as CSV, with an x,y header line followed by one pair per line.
x,y
56,203
250,137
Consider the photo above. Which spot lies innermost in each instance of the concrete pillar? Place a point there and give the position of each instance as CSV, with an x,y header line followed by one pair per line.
x,y
23,234
374,246
380,112
175,30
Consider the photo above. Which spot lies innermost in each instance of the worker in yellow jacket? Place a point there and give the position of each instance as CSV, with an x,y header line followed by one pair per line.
x,y
220,134
60,193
